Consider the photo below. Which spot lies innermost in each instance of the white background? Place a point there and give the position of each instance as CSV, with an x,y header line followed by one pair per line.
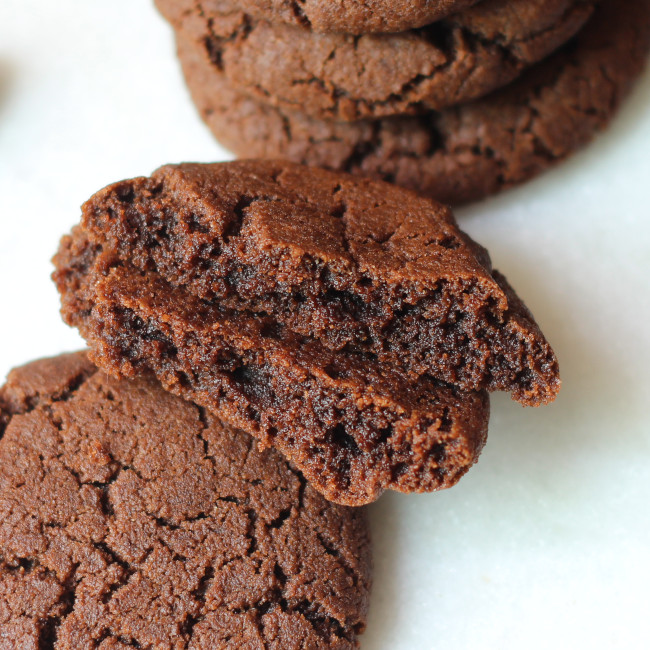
x,y
546,543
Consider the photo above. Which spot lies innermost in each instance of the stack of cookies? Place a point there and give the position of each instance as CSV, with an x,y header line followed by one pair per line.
x,y
272,345
457,99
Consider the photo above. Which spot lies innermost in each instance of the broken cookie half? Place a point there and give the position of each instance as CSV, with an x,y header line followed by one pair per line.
x,y
353,263
352,427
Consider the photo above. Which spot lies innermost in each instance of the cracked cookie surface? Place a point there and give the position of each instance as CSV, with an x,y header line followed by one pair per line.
x,y
130,518
345,16
343,77
459,154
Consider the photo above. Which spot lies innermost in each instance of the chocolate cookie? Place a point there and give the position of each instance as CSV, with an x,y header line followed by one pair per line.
x,y
349,16
460,154
344,77
350,426
357,265
130,518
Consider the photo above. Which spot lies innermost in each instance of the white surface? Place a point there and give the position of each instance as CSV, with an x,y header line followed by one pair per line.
x,y
546,543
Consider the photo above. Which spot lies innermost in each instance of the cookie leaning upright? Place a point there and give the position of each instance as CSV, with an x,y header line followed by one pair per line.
x,y
346,322
131,517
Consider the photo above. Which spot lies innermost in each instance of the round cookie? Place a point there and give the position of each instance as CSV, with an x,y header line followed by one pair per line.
x,y
345,16
130,518
463,153
344,77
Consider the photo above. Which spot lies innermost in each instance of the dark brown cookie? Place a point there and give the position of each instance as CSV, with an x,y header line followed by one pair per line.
x,y
130,518
351,427
356,264
348,16
338,76
459,154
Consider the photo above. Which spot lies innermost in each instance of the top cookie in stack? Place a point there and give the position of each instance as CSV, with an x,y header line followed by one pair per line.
x,y
295,80
348,77
354,17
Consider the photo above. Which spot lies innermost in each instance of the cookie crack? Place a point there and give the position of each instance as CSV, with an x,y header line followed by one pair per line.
x,y
340,213
299,14
205,424
334,552
49,626
48,634
121,639
10,408
577,7
215,43
323,624
128,570
199,595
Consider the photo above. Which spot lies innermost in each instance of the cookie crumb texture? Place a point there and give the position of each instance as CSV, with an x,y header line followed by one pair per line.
x,y
341,77
459,154
132,519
